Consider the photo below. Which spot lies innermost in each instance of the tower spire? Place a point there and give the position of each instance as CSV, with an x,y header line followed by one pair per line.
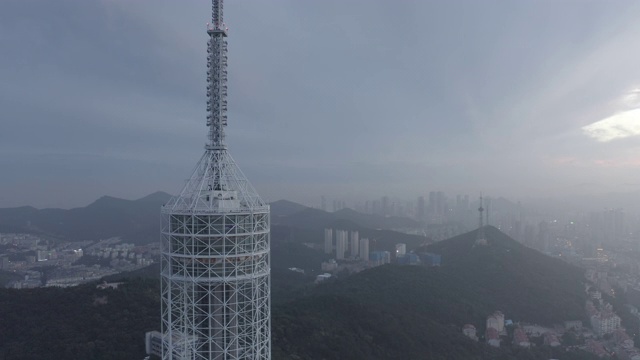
x,y
216,78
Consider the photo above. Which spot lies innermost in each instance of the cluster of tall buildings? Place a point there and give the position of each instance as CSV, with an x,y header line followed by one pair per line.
x,y
348,244
568,234
572,235
437,208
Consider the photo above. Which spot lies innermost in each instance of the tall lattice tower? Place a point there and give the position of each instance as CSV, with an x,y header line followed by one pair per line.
x,y
215,244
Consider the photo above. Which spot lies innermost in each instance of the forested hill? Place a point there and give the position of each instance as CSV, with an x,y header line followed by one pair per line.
x,y
80,323
405,312
526,284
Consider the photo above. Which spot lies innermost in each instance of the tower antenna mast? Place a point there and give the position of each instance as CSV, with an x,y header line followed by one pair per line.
x,y
216,78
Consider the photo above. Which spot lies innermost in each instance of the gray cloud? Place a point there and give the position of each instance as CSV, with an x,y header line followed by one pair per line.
x,y
353,98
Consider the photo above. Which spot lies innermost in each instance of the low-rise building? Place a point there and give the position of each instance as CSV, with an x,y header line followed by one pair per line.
x,y
408,259
378,258
551,339
323,277
492,337
470,331
520,338
496,321
595,295
330,265
575,325
535,330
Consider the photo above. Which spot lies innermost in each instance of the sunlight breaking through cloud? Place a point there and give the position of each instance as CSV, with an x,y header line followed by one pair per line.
x,y
632,99
618,126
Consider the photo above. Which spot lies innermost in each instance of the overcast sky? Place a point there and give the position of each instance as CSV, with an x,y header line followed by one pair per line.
x,y
350,99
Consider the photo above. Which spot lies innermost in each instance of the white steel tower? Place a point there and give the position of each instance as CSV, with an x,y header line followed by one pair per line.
x,y
215,244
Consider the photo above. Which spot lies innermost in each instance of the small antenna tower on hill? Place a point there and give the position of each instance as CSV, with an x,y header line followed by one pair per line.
x,y
480,238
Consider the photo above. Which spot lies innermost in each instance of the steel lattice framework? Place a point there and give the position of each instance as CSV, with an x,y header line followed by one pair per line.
x,y
215,244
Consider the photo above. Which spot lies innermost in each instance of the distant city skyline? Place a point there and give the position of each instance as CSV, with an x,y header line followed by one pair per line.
x,y
359,99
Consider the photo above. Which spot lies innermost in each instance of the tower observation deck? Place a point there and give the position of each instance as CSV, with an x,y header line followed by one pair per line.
x,y
215,242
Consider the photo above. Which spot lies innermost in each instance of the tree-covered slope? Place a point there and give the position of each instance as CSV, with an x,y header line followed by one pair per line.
x,y
78,323
523,283
411,311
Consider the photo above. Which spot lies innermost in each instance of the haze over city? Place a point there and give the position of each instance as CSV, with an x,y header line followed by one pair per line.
x,y
356,99
449,180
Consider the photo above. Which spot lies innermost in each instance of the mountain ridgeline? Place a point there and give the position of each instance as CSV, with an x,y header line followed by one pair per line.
x,y
136,221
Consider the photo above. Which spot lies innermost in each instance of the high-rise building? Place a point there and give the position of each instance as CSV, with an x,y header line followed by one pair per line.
x,y
401,249
605,322
328,241
421,209
432,202
386,206
341,243
355,243
364,249
215,274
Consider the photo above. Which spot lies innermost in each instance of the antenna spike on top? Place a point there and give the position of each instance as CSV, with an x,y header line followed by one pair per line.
x,y
216,79
216,13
